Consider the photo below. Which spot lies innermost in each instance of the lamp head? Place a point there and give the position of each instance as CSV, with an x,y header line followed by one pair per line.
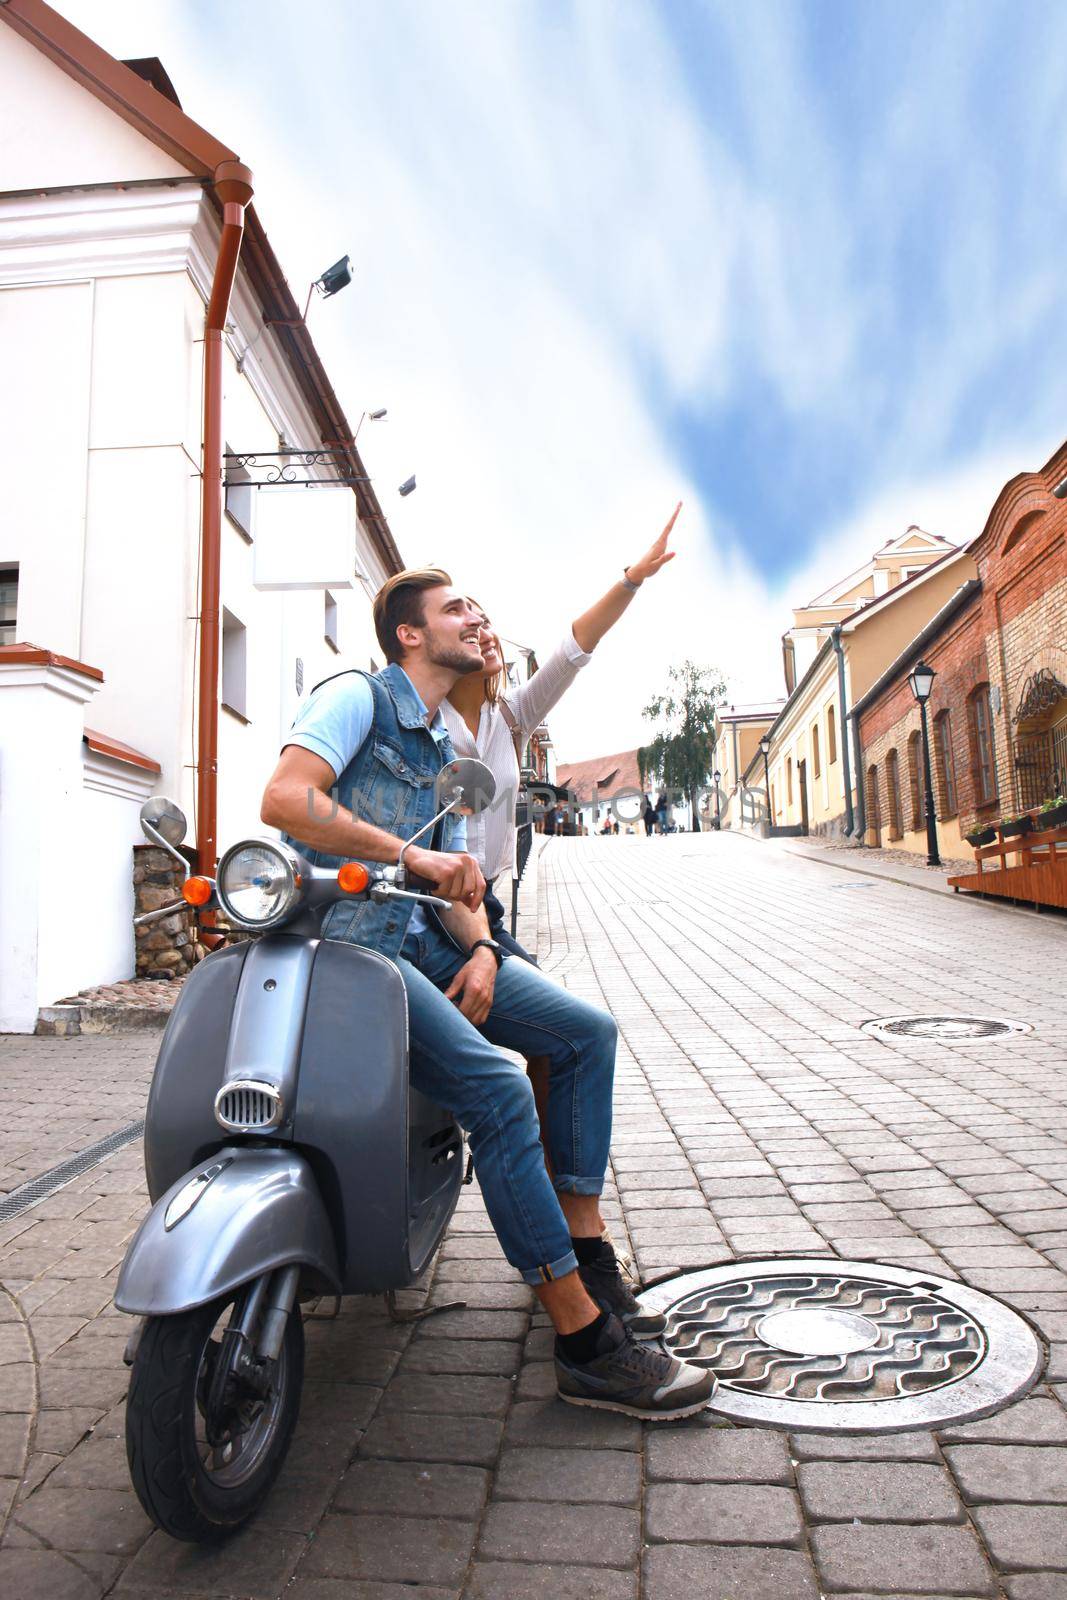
x,y
921,677
407,486
716,775
376,416
765,745
337,277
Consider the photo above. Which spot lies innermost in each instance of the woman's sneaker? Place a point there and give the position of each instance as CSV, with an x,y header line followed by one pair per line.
x,y
623,1257
608,1287
637,1379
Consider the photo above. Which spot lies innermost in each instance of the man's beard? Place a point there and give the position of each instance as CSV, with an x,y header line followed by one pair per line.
x,y
440,654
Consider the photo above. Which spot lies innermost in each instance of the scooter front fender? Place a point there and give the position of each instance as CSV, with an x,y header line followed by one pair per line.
x,y
243,1212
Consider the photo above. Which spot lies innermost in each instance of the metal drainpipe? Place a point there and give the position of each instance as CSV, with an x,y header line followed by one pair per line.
x,y
233,185
846,768
861,797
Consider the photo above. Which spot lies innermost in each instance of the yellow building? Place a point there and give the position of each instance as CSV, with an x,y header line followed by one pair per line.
x,y
738,730
839,645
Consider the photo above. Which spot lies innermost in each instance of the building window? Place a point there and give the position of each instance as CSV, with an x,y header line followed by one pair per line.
x,y
983,764
946,765
234,665
9,595
915,780
892,786
331,620
831,736
816,761
239,495
789,780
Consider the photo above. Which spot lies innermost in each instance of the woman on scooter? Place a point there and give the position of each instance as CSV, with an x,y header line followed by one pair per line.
x,y
488,718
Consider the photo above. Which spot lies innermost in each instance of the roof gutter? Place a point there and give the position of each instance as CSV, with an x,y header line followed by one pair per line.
x,y
861,787
233,187
846,768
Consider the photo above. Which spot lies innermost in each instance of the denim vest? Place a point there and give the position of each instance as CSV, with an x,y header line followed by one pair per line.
x,y
389,782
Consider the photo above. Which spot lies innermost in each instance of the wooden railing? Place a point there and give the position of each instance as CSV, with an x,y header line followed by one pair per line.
x,y
1036,871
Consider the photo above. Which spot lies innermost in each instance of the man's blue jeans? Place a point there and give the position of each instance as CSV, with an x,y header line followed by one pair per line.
x,y
455,1064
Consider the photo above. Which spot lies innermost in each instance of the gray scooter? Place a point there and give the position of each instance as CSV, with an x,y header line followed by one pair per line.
x,y
287,1157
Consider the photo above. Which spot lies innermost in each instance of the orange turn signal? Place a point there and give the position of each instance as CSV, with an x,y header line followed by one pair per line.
x,y
197,891
353,877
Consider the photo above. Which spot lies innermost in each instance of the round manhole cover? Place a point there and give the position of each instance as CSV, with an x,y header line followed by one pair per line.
x,y
945,1029
823,1344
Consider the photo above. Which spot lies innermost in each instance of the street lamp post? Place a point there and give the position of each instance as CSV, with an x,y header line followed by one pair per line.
x,y
765,749
921,677
716,776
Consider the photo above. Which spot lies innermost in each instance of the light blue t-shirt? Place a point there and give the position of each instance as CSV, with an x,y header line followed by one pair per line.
x,y
334,722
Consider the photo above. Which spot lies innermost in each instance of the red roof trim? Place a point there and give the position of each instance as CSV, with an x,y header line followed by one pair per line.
x,y
104,745
31,655
128,95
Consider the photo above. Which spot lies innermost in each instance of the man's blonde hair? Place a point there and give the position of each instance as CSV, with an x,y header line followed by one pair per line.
x,y
399,603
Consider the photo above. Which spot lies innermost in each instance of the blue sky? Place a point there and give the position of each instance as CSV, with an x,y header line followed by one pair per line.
x,y
798,264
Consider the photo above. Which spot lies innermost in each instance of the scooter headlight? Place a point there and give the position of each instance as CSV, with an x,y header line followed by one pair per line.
x,y
259,883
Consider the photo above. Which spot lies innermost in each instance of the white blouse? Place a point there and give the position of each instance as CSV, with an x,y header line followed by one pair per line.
x,y
491,835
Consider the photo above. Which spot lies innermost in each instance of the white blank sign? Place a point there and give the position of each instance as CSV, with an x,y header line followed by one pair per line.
x,y
304,538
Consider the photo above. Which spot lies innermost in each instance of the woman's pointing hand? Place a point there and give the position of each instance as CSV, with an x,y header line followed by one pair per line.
x,y
656,556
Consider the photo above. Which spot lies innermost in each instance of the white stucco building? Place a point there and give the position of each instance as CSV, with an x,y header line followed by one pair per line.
x,y
109,235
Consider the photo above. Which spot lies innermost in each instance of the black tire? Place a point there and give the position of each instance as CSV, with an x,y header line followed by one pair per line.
x,y
163,1420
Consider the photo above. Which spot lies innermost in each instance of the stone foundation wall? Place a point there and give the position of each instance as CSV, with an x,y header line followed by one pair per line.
x,y
170,947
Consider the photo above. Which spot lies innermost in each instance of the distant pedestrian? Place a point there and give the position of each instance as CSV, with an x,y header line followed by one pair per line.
x,y
661,811
649,815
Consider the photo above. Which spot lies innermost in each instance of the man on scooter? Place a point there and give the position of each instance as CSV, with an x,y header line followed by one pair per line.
x,y
356,779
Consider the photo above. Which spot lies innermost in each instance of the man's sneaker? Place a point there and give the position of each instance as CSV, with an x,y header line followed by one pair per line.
x,y
637,1379
609,1289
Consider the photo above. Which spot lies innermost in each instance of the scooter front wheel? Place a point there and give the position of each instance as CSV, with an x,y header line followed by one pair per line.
x,y
199,1470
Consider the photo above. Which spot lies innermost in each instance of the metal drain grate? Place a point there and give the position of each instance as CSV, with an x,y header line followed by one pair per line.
x,y
37,1189
945,1029
822,1344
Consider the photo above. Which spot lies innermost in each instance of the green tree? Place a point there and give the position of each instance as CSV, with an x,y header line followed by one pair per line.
x,y
681,754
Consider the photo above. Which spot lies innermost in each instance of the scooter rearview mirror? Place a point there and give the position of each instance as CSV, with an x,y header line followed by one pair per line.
x,y
163,823
164,818
467,781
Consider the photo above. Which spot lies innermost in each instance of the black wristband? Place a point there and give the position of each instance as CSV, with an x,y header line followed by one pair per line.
x,y
490,944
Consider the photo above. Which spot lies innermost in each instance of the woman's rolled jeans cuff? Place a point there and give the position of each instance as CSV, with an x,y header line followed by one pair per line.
x,y
551,1271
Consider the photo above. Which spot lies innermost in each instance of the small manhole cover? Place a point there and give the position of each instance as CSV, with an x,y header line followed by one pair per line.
x,y
822,1344
945,1029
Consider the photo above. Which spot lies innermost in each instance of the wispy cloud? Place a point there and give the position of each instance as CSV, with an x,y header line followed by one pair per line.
x,y
795,263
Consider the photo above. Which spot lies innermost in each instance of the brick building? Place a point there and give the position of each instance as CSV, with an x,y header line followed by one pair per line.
x,y
998,711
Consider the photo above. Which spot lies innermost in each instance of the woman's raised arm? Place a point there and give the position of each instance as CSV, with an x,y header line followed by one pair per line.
x,y
533,700
593,624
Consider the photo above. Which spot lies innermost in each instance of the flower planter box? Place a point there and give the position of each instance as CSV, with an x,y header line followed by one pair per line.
x,y
982,836
1056,817
1017,827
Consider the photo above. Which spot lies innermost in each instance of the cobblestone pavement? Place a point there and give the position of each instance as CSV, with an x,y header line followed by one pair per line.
x,y
753,1118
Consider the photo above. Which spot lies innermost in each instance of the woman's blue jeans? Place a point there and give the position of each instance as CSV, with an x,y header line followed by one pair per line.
x,y
455,1064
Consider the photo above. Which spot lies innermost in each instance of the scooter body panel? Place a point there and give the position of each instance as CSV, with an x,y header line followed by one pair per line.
x,y
180,1126
213,1231
388,1160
